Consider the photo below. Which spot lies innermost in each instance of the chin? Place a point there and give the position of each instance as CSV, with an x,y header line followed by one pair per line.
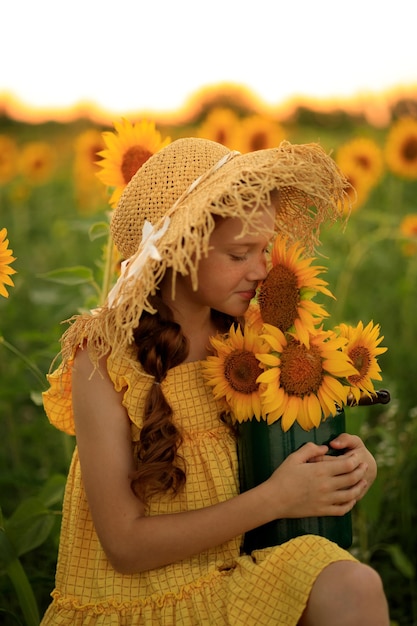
x,y
236,311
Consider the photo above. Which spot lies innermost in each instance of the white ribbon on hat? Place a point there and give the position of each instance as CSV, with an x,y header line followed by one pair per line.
x,y
132,267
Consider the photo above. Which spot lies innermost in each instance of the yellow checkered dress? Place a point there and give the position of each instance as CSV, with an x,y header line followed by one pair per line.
x,y
217,587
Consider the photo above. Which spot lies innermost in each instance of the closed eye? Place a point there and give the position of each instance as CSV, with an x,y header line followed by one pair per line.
x,y
244,257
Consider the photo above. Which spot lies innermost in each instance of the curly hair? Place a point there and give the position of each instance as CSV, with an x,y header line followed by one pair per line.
x,y
161,345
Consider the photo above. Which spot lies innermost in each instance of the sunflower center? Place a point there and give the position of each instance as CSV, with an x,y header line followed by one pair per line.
x,y
363,161
361,360
410,149
258,141
241,369
37,164
279,298
133,159
301,369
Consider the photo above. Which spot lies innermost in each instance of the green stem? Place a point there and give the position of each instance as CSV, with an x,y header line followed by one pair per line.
x,y
407,308
362,534
32,367
24,592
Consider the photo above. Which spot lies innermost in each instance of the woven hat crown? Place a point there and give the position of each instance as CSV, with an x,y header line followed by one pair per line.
x,y
158,184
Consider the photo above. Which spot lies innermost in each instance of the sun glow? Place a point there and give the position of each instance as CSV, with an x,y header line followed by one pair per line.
x,y
162,73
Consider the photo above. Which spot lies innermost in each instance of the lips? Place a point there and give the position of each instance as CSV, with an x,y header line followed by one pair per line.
x,y
247,295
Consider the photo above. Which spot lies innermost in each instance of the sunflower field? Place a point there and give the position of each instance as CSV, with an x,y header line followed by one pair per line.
x,y
56,258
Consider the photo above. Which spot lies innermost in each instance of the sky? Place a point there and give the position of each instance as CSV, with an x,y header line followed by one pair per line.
x,y
154,55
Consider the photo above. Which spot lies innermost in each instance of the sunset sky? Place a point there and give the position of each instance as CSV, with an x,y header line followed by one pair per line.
x,y
153,55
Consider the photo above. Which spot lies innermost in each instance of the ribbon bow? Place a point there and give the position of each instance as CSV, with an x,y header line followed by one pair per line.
x,y
132,267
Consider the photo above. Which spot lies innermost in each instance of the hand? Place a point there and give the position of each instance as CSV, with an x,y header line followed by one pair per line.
x,y
353,444
302,487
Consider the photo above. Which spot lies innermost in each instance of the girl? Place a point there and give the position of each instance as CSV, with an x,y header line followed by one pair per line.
x,y
153,518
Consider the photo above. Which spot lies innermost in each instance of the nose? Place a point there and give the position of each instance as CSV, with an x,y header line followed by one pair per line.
x,y
258,270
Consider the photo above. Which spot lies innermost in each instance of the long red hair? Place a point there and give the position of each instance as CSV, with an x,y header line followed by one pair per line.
x,y
161,345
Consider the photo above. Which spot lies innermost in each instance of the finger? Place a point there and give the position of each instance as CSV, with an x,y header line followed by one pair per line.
x,y
345,440
353,490
341,509
321,457
353,494
346,464
311,451
344,501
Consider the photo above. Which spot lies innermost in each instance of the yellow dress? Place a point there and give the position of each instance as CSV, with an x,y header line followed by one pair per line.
x,y
217,587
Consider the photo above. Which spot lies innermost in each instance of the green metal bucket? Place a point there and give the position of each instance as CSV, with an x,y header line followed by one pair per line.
x,y
261,449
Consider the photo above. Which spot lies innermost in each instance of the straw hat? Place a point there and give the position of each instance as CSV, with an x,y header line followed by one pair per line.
x,y
164,218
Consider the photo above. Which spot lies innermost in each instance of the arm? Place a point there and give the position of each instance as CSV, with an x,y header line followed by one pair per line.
x,y
134,542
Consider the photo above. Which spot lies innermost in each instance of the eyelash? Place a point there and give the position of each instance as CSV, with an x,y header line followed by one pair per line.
x,y
245,256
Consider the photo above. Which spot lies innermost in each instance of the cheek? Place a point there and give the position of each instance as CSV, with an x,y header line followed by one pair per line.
x,y
217,282
222,272
212,269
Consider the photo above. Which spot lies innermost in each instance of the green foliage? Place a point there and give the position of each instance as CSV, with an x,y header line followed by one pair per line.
x,y
27,528
62,263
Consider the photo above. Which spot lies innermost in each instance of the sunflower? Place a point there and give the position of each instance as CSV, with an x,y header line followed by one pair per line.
x,y
37,162
234,371
362,348
408,228
6,257
87,146
363,154
285,296
401,148
303,383
359,189
127,150
221,125
258,132
8,159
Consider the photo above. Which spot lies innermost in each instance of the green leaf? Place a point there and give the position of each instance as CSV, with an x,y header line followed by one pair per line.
x,y
36,397
24,592
52,491
77,275
307,294
7,551
29,525
400,560
99,229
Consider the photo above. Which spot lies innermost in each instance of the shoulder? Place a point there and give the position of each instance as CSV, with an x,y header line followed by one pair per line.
x,y
85,365
90,376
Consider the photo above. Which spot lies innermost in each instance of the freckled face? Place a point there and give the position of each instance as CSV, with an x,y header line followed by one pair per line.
x,y
229,275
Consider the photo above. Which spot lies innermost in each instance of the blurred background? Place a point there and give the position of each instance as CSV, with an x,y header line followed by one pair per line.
x,y
248,76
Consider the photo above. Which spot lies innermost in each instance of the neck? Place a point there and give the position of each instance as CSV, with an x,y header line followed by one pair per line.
x,y
198,328
198,322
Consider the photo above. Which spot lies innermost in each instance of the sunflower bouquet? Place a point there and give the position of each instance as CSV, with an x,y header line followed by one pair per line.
x,y
283,364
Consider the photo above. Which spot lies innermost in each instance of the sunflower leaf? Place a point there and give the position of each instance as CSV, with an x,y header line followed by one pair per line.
x,y
400,560
97,230
77,275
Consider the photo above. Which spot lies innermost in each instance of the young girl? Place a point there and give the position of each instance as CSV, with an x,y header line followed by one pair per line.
x,y
153,518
